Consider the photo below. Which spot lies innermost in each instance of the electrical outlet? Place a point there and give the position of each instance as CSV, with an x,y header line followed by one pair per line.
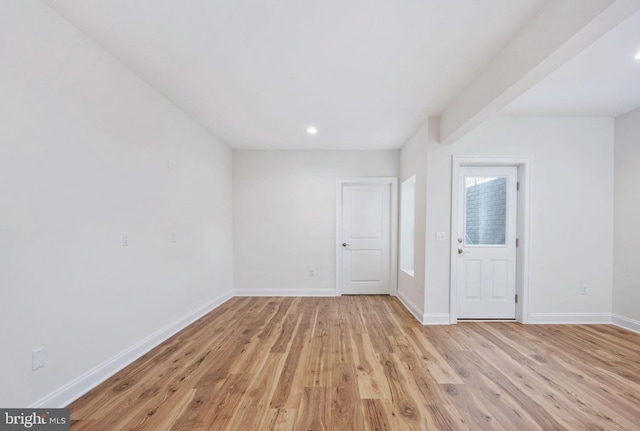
x,y
37,358
584,290
173,237
125,239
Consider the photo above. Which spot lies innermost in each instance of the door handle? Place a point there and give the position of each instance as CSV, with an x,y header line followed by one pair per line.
x,y
460,251
344,244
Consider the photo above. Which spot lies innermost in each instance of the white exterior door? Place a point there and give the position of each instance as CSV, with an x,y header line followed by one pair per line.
x,y
486,242
366,239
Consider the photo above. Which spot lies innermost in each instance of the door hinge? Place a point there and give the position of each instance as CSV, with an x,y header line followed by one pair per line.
x,y
516,298
517,242
518,186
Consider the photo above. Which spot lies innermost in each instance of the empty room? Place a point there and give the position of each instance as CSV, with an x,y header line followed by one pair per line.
x,y
330,215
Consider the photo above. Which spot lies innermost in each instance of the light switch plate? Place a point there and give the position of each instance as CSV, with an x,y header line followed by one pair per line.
x,y
441,236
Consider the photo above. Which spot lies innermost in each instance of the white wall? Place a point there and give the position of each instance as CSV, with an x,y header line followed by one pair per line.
x,y
571,234
87,152
626,275
413,161
284,208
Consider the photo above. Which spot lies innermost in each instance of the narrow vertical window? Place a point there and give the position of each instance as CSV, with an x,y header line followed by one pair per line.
x,y
407,224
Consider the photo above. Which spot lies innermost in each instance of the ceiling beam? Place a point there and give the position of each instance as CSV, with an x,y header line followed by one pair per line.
x,y
558,31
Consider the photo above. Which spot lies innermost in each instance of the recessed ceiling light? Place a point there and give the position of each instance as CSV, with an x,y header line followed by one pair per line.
x,y
312,130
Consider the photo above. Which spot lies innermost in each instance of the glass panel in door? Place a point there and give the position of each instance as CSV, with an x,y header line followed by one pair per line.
x,y
485,211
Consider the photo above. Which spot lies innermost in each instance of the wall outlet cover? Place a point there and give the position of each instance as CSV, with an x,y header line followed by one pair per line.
x,y
37,358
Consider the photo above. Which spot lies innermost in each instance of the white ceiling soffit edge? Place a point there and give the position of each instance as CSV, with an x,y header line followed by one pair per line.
x,y
559,31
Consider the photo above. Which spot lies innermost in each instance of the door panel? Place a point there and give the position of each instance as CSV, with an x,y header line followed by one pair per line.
x,y
366,232
472,279
365,265
486,278
366,210
499,279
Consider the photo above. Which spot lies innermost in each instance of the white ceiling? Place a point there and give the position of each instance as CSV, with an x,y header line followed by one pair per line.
x,y
366,74
603,80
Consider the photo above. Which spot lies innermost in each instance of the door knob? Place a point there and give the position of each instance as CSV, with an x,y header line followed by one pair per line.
x,y
344,244
459,251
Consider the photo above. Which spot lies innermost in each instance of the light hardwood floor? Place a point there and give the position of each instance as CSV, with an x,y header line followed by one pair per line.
x,y
363,363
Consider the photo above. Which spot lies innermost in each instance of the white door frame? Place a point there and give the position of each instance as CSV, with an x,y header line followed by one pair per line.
x,y
523,164
341,182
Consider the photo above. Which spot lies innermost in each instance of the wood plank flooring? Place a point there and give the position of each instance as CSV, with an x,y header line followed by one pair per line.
x,y
364,363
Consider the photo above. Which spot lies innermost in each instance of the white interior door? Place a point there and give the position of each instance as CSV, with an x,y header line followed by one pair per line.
x,y
366,239
486,243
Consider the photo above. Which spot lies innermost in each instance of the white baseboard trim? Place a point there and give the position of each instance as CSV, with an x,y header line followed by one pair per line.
x,y
410,306
626,323
422,317
73,390
569,318
285,292
436,319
